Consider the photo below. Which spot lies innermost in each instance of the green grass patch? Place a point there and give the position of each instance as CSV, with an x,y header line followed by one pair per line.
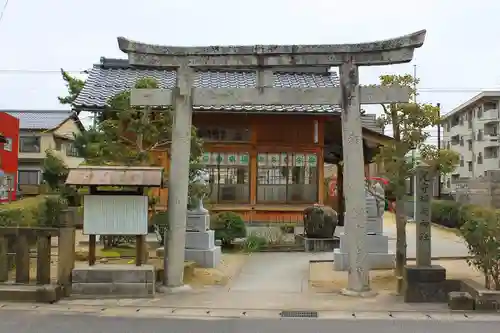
x,y
118,252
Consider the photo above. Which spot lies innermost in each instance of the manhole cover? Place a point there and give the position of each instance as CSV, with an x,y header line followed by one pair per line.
x,y
299,314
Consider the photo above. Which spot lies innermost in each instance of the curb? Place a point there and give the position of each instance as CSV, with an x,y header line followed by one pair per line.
x,y
225,314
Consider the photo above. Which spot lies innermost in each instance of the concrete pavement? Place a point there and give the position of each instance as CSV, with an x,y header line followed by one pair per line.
x,y
51,322
274,272
444,243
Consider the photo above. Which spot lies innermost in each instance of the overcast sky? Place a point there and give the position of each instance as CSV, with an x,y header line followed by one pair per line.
x,y
460,57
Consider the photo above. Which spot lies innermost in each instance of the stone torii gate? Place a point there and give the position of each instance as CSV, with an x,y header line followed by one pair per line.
x,y
264,58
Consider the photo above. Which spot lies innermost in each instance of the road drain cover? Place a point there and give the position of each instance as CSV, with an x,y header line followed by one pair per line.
x,y
299,314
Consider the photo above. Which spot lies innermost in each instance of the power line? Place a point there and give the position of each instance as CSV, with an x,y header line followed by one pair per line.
x,y
3,10
40,71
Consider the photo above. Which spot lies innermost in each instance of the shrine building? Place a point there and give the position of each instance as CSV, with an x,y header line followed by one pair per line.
x,y
264,162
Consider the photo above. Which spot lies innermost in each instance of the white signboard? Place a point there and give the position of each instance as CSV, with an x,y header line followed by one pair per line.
x,y
115,215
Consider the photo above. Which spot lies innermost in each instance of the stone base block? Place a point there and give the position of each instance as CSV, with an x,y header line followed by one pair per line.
x,y
200,240
113,290
484,299
374,225
459,300
30,293
198,222
204,258
425,284
113,281
375,260
317,244
374,244
415,274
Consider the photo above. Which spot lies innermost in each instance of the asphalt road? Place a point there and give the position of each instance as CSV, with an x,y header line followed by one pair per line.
x,y
32,322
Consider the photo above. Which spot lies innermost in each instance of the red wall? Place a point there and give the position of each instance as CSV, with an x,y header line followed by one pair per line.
x,y
9,127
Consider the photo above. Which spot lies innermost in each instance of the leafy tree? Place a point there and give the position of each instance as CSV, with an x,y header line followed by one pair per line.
x,y
74,86
443,161
54,171
408,121
128,135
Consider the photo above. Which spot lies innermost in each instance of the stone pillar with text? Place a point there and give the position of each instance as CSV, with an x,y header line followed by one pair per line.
x,y
424,282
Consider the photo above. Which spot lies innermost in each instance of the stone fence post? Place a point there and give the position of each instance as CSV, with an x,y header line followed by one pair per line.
x,y
66,249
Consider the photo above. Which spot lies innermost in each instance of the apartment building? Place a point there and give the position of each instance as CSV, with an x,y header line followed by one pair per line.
x,y
472,130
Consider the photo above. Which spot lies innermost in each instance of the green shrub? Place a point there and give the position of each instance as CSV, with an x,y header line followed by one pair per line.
x,y
228,226
481,231
112,241
24,212
254,243
159,221
446,213
72,196
50,211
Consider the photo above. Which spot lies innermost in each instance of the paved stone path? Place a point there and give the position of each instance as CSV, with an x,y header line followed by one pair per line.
x,y
274,272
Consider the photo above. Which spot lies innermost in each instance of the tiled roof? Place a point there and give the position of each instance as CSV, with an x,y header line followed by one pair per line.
x,y
39,119
114,76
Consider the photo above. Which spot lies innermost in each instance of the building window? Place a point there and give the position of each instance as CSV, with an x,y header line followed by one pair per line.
x,y
7,146
469,144
6,186
235,134
29,144
228,177
480,135
28,177
461,141
491,152
489,106
480,158
287,178
71,150
461,161
469,165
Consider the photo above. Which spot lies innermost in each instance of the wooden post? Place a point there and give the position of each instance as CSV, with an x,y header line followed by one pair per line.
x,y
423,192
22,259
4,259
43,260
92,250
139,250
66,250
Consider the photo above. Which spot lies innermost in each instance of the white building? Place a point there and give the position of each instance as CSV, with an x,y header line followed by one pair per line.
x,y
472,130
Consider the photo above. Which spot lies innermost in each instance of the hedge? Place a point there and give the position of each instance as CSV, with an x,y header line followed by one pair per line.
x,y
452,214
42,210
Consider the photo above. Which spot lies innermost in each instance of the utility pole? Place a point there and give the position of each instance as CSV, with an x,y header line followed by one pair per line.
x,y
413,152
439,148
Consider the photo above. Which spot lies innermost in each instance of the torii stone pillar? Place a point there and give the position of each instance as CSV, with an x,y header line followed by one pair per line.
x,y
263,59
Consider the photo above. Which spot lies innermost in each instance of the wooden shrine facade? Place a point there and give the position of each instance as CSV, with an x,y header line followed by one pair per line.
x,y
266,167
